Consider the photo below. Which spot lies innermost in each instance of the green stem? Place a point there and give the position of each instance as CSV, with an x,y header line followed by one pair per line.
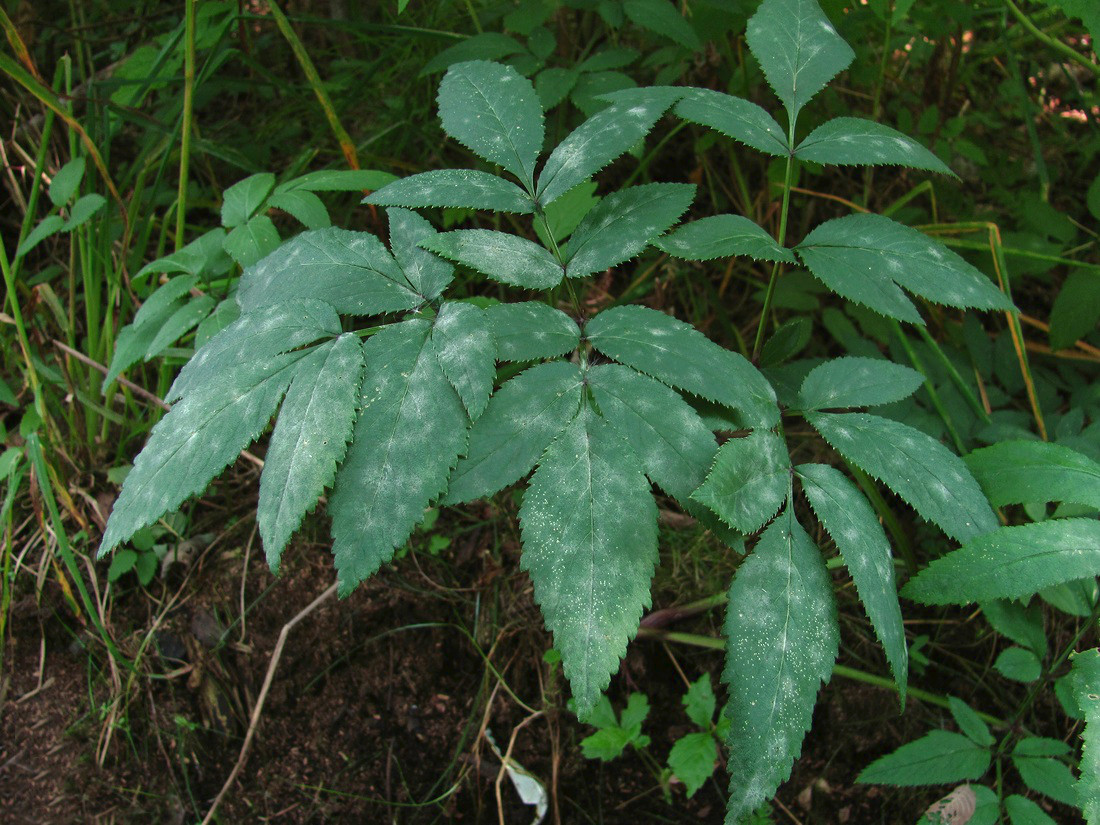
x,y
960,382
781,238
933,393
1051,42
21,331
188,110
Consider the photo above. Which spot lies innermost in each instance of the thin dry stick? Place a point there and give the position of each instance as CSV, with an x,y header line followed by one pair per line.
x,y
507,759
254,721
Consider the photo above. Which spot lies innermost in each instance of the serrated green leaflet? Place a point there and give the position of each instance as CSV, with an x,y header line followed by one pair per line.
x,y
1023,811
679,355
241,200
309,440
304,206
529,329
1018,664
257,336
252,240
734,117
196,440
621,225
723,236
66,182
970,723
552,85
857,142
1011,563
692,760
589,528
1085,682
936,758
914,465
353,271
667,435
1021,472
136,338
748,482
854,527
867,257
522,418
409,435
1013,621
857,382
337,180
494,112
463,188
699,702
664,19
484,46
782,637
798,49
427,274
182,320
598,141
509,259
466,352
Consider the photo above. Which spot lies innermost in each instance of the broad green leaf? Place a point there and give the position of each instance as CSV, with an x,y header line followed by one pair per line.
x,y
522,418
252,240
337,180
485,46
937,758
635,712
1023,625
409,435
1047,776
1085,683
527,330
1022,472
1022,811
1076,310
783,639
494,112
606,744
463,188
789,339
1018,664
196,440
798,49
66,181
135,338
203,256
857,382
466,352
49,225
181,321
735,117
692,759
699,702
303,206
679,355
353,271
598,141
82,211
309,440
593,90
243,199
866,258
1041,746
914,465
257,336
851,521
121,563
623,224
1011,563
507,258
553,85
970,723
607,59
589,528
667,435
428,274
749,481
566,213
723,236
663,18
858,142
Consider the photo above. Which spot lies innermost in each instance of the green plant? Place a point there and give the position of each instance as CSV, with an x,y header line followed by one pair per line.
x,y
601,407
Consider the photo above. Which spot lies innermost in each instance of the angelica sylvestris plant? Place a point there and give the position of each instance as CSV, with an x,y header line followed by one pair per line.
x,y
408,412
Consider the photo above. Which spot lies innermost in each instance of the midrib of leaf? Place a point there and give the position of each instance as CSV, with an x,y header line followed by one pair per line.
x,y
607,225
787,615
526,180
660,434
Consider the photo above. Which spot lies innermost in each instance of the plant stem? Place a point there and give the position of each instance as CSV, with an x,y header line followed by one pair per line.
x,y
929,386
1051,42
781,238
21,331
188,109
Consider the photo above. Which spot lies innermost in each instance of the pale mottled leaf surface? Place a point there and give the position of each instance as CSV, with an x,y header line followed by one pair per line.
x,y
853,381
858,142
1021,472
527,330
509,259
723,236
749,481
734,117
428,274
466,351
462,188
1085,683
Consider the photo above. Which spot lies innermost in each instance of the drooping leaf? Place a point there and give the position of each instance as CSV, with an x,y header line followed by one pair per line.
x,y
409,435
527,330
205,255
303,206
783,639
252,240
667,435
352,271
623,224
970,723
937,758
857,382
679,355
1076,310
866,258
507,258
493,111
1085,683
749,480
692,759
466,352
663,18
309,440
242,200
1021,472
135,339
589,528
858,142
1011,562
1022,811
463,188
522,418
798,49
853,525
914,465
723,236
735,117
337,180
428,274
181,321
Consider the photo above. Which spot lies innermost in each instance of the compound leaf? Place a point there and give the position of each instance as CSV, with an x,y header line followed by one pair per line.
x,y
1085,684
722,236
409,435
621,225
937,758
589,528
509,259
858,142
679,355
466,352
783,639
243,199
852,381
522,418
309,439
1022,472
461,188
428,274
914,465
734,117
749,481
692,760
530,329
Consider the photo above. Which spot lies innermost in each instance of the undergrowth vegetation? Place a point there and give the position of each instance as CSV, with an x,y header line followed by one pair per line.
x,y
553,324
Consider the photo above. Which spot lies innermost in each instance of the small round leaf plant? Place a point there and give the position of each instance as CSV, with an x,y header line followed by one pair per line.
x,y
409,412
